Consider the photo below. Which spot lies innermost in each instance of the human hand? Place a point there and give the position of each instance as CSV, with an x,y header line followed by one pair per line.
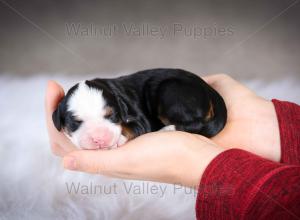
x,y
170,157
60,144
252,122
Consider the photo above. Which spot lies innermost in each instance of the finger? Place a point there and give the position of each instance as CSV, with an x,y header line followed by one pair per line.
x,y
224,83
54,94
211,79
107,162
57,149
60,144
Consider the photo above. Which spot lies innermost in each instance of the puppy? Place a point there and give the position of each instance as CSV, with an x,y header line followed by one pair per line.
x,y
106,113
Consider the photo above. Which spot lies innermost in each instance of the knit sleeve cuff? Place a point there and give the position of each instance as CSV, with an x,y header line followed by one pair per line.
x,y
288,115
229,183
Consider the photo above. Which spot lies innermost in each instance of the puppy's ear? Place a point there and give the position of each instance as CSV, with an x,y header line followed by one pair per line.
x,y
123,109
57,117
126,112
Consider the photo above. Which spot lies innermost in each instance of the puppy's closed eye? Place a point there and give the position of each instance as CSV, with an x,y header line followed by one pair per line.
x,y
111,114
72,123
108,111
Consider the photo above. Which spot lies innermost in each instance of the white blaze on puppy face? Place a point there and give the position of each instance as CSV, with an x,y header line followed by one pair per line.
x,y
88,105
87,102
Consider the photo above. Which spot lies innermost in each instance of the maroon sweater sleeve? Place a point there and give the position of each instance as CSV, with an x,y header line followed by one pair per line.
x,y
288,115
241,185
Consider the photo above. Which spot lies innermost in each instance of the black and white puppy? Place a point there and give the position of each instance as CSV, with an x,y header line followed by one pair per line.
x,y
105,113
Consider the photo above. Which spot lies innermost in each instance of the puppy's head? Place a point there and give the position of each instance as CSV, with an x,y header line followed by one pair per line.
x,y
90,115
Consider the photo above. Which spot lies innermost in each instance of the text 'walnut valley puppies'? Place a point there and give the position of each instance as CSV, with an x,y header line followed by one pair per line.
x,y
105,113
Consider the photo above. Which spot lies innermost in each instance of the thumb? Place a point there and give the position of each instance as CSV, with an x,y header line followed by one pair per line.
x,y
54,94
106,162
217,78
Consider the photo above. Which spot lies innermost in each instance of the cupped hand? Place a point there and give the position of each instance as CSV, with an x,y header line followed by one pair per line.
x,y
60,144
252,122
169,156
177,157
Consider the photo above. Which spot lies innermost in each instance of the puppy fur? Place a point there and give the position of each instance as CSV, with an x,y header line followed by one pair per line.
x,y
119,109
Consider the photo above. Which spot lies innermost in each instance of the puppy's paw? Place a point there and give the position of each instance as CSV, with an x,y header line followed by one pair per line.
x,y
168,128
122,140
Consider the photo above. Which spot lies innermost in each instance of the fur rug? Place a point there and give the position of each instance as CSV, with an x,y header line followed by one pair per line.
x,y
34,185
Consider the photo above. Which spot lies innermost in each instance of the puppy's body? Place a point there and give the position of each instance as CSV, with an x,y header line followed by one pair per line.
x,y
143,102
159,97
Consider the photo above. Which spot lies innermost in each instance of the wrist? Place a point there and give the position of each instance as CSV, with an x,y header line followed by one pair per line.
x,y
270,135
197,160
258,130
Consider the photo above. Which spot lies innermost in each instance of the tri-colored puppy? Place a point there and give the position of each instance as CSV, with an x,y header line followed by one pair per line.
x,y
105,113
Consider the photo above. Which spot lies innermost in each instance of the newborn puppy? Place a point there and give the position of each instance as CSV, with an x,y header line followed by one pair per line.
x,y
105,113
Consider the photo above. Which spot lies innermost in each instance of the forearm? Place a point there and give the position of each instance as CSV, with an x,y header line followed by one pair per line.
x,y
241,185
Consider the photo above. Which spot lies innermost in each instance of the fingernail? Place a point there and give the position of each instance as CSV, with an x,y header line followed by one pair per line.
x,y
70,163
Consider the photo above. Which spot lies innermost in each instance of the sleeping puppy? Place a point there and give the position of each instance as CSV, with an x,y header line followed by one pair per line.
x,y
106,113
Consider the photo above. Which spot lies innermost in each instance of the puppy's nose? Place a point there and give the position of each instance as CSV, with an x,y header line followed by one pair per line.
x,y
98,141
101,137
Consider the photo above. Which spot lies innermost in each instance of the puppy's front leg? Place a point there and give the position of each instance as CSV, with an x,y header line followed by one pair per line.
x,y
168,128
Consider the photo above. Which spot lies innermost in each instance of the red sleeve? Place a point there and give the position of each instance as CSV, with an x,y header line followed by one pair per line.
x,y
241,185
288,115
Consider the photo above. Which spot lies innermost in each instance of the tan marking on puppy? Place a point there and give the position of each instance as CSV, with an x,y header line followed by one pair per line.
x,y
127,132
210,114
164,120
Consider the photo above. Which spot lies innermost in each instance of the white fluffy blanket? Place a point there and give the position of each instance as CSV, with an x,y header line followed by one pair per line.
x,y
34,185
